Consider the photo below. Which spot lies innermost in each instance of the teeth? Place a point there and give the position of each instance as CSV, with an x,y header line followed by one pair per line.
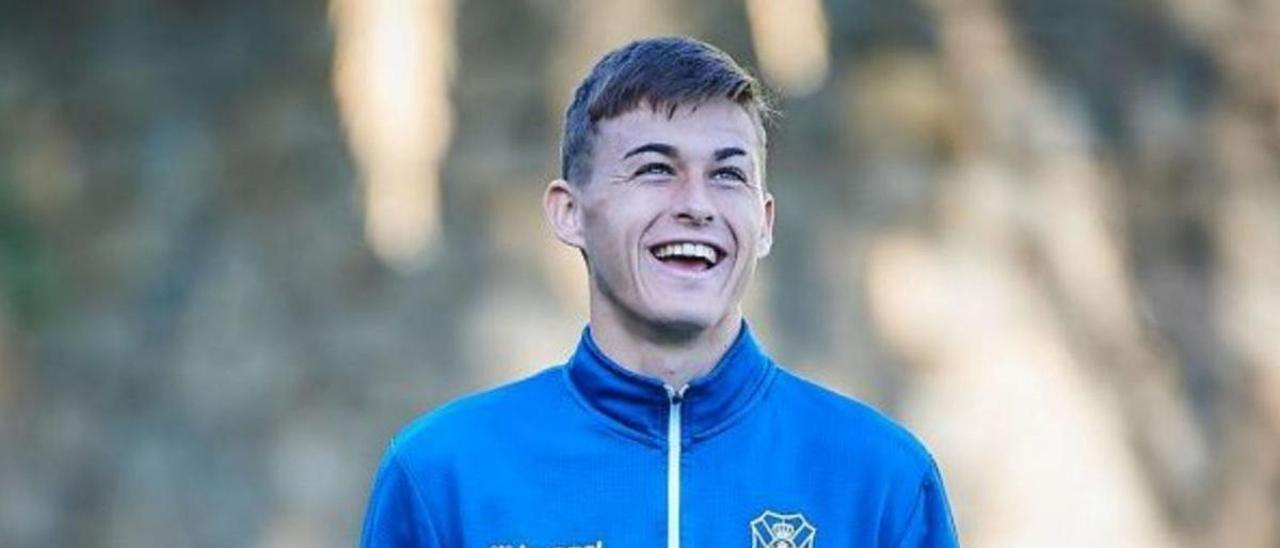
x,y
692,250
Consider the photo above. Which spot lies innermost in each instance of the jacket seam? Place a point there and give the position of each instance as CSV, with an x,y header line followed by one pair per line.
x,y
733,420
915,510
605,421
417,492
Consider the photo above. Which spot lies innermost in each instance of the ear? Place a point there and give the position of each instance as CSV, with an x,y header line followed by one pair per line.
x,y
560,203
765,242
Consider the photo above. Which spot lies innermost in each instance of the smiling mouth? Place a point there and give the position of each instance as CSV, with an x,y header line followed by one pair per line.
x,y
688,256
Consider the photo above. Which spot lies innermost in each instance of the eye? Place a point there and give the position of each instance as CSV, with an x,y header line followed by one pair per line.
x,y
655,168
730,174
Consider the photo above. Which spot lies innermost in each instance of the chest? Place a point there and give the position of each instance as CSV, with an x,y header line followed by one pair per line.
x,y
744,490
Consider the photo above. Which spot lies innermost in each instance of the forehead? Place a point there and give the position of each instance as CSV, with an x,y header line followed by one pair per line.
x,y
692,129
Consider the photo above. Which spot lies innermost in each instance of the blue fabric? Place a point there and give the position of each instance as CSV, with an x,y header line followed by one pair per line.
x,y
577,456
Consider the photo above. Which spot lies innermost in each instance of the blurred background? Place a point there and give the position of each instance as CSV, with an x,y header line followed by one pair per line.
x,y
243,242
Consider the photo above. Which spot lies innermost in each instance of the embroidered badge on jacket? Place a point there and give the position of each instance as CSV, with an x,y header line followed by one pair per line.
x,y
774,530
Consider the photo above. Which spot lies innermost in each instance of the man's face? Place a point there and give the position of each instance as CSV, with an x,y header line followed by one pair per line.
x,y
675,214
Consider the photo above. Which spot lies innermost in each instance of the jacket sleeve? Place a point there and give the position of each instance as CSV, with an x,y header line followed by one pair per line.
x,y
397,515
930,525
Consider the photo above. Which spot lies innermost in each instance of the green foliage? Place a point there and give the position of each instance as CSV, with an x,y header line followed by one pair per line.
x,y
26,266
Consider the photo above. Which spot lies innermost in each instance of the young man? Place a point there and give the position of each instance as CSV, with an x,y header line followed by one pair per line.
x,y
668,425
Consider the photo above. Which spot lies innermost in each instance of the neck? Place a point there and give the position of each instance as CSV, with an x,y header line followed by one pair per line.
x,y
674,356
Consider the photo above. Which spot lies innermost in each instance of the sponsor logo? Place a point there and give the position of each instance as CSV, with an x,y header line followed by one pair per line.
x,y
596,544
774,530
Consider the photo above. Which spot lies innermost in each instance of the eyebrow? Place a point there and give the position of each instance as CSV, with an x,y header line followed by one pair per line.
x,y
660,148
670,151
730,152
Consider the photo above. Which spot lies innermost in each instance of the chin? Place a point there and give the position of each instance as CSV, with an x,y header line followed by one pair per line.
x,y
685,322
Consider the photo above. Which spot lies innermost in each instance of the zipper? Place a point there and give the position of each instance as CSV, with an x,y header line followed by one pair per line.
x,y
676,397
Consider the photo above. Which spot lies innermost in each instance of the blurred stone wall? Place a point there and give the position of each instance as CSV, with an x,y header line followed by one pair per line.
x,y
1045,234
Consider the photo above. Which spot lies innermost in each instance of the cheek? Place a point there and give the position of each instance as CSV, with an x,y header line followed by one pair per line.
x,y
607,238
745,219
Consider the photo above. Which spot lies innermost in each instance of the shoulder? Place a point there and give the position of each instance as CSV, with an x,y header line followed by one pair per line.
x,y
475,420
842,424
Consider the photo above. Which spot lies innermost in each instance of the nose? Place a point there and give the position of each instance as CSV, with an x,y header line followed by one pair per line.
x,y
692,204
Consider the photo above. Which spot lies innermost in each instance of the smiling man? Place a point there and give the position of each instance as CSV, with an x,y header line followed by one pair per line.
x,y
668,425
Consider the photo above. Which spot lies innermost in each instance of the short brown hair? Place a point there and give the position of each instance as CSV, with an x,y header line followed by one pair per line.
x,y
665,73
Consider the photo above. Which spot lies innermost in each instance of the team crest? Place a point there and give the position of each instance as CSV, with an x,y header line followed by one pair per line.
x,y
774,530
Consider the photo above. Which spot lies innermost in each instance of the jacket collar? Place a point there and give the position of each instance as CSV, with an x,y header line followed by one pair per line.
x,y
641,404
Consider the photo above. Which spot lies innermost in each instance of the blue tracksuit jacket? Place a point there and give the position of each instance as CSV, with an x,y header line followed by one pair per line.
x,y
589,454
